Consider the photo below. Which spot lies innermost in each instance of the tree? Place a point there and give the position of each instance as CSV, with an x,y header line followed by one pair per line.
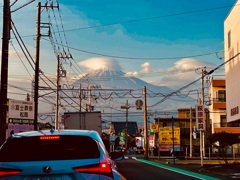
x,y
221,141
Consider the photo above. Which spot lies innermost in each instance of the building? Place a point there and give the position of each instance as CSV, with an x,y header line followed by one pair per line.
x,y
232,64
119,129
119,126
217,104
186,121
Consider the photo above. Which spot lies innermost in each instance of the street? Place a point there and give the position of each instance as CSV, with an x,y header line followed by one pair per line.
x,y
131,168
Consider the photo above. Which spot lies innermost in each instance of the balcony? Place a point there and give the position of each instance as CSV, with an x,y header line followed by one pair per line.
x,y
219,103
218,83
226,127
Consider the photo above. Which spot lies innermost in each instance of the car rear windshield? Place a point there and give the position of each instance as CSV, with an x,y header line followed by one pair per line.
x,y
35,149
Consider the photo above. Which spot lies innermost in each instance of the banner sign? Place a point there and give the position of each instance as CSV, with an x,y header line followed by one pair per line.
x,y
200,123
166,136
15,128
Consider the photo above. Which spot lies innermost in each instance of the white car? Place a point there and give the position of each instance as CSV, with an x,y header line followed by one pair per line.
x,y
55,155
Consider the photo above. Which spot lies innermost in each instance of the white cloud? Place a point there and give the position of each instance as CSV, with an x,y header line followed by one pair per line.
x,y
183,72
129,74
146,68
101,63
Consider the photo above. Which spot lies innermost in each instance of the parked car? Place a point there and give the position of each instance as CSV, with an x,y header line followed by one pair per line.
x,y
120,149
61,154
140,150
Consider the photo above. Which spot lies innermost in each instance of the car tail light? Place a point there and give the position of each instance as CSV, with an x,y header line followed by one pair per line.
x,y
8,172
103,168
49,137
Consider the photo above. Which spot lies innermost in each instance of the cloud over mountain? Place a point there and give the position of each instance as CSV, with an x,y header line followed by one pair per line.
x,y
101,63
107,74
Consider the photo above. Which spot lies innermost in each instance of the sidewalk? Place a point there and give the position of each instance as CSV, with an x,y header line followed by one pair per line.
x,y
194,160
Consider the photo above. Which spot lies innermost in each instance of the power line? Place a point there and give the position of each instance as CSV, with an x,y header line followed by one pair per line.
x,y
150,18
140,58
184,87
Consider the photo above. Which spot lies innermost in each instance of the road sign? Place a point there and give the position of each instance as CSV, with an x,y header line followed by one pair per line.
x,y
139,104
154,127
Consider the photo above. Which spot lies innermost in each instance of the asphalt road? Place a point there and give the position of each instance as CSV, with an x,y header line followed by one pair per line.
x,y
211,169
133,169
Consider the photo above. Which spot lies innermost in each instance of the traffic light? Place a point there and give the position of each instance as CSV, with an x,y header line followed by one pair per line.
x,y
194,135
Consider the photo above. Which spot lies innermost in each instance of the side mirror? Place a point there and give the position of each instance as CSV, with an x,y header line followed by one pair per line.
x,y
117,156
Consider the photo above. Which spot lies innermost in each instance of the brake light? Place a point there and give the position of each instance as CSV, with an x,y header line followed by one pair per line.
x,y
9,172
49,137
103,168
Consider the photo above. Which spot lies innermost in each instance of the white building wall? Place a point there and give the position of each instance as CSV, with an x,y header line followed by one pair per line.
x,y
232,69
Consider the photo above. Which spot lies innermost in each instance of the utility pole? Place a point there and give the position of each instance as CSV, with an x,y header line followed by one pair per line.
x,y
191,134
126,107
145,124
60,73
36,82
4,69
203,134
90,98
57,97
173,146
80,98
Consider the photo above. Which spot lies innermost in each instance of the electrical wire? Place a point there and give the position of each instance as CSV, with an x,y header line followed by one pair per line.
x,y
150,18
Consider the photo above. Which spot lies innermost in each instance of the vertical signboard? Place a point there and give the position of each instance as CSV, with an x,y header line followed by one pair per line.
x,y
200,123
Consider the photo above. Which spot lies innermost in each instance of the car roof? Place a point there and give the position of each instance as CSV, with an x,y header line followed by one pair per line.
x,y
74,132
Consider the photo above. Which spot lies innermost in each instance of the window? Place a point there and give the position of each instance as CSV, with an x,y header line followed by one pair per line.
x,y
229,39
188,114
34,149
223,120
221,95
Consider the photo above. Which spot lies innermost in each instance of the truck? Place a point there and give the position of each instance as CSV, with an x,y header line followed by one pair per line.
x,y
83,120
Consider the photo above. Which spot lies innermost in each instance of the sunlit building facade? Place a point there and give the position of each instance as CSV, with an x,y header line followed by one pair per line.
x,y
232,64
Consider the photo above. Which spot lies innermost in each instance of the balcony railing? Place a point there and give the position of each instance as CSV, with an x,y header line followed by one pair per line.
x,y
225,124
219,99
218,125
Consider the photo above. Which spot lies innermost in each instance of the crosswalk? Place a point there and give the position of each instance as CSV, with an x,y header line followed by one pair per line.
x,y
130,157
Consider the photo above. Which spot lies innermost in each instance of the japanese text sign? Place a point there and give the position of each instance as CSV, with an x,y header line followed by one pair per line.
x,y
200,123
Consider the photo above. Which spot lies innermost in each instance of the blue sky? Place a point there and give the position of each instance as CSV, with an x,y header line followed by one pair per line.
x,y
152,29
171,20
155,40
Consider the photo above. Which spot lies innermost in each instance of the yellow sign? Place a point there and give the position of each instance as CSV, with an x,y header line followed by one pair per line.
x,y
166,136
154,127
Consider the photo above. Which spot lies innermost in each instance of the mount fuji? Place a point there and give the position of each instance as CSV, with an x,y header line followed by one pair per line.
x,y
112,88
